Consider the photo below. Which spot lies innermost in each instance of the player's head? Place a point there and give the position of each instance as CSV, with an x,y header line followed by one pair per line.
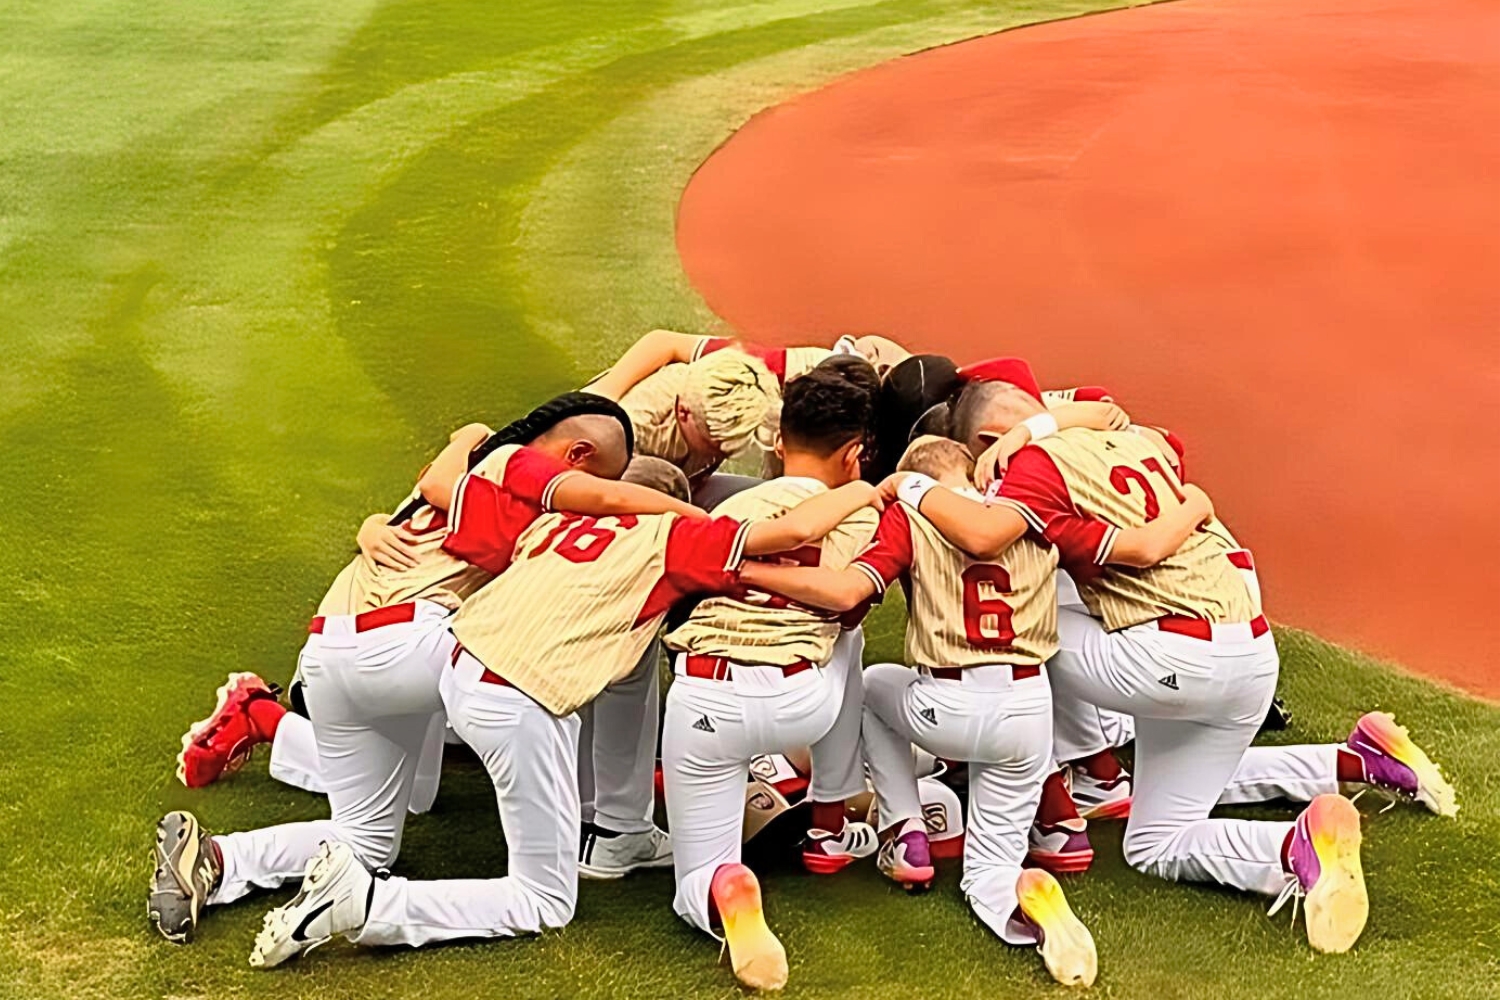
x,y
589,441
999,395
609,447
909,391
725,398
942,458
660,475
882,353
825,421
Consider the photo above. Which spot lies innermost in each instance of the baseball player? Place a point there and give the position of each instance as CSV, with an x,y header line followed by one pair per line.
x,y
583,597
981,626
1180,643
371,678
757,675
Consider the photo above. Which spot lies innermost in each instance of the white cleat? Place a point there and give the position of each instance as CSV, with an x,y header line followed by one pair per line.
x,y
334,899
612,857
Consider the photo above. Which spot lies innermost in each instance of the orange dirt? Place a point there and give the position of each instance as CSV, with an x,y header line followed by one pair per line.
x,y
1272,224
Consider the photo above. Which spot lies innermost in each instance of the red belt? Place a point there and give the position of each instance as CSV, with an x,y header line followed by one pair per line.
x,y
391,614
1017,673
488,677
716,668
1201,628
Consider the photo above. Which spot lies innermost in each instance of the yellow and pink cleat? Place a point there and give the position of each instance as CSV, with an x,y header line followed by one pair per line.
x,y
755,954
1325,870
1065,943
1394,763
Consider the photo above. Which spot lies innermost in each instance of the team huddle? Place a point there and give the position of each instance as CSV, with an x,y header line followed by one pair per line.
x,y
1068,591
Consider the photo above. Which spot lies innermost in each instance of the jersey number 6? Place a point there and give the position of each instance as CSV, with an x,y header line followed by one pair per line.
x,y
987,618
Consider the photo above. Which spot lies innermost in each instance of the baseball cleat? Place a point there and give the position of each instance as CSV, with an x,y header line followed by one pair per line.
x,y
755,954
603,855
1061,847
1395,764
221,743
187,872
334,899
905,856
1065,943
824,853
1097,798
1325,870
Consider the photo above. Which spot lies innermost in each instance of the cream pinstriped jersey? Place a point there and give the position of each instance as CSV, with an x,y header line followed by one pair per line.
x,y
652,406
584,596
961,611
786,363
438,576
765,630
1080,488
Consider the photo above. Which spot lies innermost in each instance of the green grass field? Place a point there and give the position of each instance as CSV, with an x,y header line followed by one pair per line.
x,y
255,260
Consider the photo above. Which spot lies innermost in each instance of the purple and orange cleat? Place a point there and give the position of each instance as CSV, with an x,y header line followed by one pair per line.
x,y
221,743
1325,870
1061,846
755,953
906,856
1393,763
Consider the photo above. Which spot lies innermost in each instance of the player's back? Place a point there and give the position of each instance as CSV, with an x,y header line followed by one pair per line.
x,y
436,576
765,630
966,612
1121,479
577,607
652,407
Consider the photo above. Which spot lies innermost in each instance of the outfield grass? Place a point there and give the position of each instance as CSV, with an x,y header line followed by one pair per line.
x,y
255,259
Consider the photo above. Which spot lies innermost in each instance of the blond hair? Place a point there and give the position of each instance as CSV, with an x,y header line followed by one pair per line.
x,y
941,458
732,395
660,475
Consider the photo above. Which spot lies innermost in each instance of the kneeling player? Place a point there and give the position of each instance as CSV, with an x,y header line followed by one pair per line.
x,y
576,609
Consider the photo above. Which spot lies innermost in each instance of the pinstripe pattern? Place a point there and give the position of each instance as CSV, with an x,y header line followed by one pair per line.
x,y
437,576
749,632
652,405
562,631
1198,581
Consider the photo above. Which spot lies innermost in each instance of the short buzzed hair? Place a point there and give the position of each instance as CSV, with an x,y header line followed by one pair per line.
x,y
606,433
660,475
994,406
938,457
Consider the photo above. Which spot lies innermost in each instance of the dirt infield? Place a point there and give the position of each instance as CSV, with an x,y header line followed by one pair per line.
x,y
1272,224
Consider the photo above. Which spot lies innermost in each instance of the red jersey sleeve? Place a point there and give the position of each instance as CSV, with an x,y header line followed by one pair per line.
x,y
1034,487
1092,394
890,552
489,517
703,557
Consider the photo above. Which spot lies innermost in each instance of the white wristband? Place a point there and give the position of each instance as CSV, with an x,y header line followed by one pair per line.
x,y
1042,425
913,488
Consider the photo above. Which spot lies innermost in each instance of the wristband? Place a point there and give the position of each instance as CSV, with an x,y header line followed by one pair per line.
x,y
913,488
1042,425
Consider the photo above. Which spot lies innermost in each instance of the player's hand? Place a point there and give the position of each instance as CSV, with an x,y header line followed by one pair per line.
x,y
890,484
1096,416
1199,501
387,545
991,464
873,496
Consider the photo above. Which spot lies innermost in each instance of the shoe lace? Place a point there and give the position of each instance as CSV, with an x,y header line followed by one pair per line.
x,y
1292,892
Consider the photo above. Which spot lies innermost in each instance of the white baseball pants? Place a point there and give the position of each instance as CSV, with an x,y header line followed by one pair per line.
x,y
532,758
617,750
713,728
1003,728
373,695
1197,705
294,760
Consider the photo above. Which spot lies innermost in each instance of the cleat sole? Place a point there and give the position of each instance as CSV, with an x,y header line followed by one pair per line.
x,y
1066,947
755,953
1338,905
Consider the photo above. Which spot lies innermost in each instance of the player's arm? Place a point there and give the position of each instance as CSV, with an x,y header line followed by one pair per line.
x,y
982,530
586,494
386,544
1095,415
644,358
810,520
437,480
814,586
1149,545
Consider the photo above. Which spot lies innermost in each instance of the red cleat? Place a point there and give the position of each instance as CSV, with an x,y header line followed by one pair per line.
x,y
221,743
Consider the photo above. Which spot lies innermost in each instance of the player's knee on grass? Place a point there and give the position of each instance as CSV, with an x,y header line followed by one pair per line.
x,y
373,846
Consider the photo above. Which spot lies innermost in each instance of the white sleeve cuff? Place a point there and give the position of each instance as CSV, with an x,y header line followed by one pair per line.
x,y
1043,425
913,488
